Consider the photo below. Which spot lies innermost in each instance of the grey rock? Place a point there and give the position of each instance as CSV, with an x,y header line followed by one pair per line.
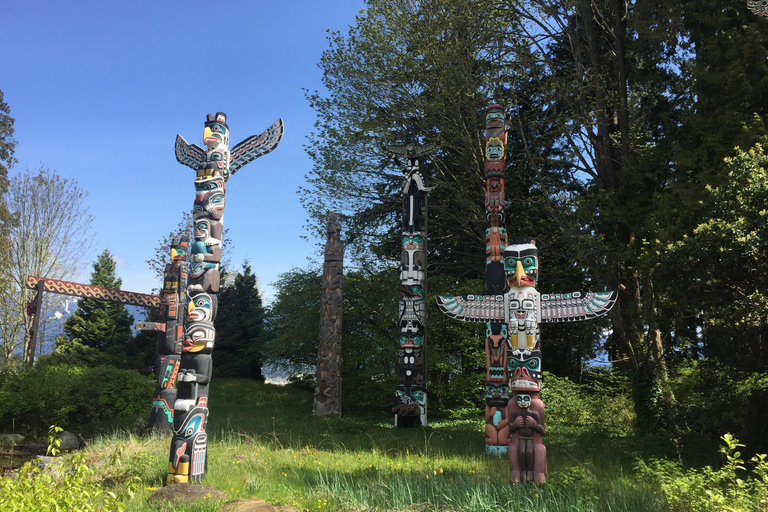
x,y
69,441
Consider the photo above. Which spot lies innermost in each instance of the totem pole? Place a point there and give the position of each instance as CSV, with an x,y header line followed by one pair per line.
x,y
496,341
328,377
214,165
513,356
759,7
170,335
410,404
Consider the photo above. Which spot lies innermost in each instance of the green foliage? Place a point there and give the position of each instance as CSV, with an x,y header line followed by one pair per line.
x,y
728,489
601,404
715,397
101,325
7,149
239,328
70,486
86,399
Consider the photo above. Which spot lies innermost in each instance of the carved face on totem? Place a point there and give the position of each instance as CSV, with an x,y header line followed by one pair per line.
x,y
216,133
494,117
494,149
208,231
202,308
523,401
521,264
411,341
496,395
179,248
525,371
410,399
209,198
200,337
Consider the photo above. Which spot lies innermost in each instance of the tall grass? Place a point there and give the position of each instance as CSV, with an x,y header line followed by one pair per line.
x,y
264,443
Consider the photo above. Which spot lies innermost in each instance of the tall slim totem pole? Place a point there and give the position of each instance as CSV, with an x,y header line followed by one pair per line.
x,y
170,336
214,166
410,404
513,309
328,377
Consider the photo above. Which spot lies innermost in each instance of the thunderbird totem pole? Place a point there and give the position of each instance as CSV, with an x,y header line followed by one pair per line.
x,y
759,7
328,375
170,336
512,309
410,404
214,165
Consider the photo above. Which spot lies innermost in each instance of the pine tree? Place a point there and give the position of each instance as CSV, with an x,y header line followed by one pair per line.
x,y
104,326
239,327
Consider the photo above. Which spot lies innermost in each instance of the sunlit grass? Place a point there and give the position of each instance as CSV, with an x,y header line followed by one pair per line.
x,y
264,443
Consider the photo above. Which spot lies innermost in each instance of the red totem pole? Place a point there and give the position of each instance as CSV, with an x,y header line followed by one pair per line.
x,y
513,309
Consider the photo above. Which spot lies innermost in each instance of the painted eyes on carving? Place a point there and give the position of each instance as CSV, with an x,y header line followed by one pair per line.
x,y
527,262
527,304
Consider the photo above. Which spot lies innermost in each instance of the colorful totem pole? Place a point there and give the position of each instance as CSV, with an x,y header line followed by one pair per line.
x,y
410,404
759,7
214,165
328,377
513,349
170,335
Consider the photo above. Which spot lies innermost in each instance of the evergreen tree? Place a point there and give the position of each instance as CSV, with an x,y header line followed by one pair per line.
x,y
239,326
100,325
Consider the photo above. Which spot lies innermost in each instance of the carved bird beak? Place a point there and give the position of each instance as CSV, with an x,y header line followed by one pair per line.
x,y
519,273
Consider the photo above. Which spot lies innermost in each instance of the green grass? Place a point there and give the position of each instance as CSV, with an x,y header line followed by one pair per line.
x,y
264,443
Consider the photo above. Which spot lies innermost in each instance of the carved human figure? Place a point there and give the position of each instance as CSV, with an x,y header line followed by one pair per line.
x,y
527,453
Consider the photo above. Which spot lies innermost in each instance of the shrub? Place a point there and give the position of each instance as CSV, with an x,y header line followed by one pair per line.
x,y
89,399
728,488
73,489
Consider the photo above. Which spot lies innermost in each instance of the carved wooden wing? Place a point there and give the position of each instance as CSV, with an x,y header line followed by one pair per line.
x,y
190,155
473,308
255,146
410,149
570,307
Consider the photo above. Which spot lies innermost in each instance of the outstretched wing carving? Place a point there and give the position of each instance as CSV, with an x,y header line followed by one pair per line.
x,y
570,307
255,146
190,155
473,308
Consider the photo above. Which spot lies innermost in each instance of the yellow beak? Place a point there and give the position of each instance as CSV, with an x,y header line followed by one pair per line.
x,y
207,133
519,273
191,307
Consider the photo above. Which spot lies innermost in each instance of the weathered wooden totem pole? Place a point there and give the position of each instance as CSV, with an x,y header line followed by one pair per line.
x,y
410,404
214,165
328,377
170,335
513,349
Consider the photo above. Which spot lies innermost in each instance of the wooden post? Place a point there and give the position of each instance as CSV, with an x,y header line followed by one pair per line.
x,y
328,377
37,308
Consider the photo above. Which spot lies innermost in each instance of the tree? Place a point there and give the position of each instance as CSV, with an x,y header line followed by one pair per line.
x,y
50,236
101,325
239,349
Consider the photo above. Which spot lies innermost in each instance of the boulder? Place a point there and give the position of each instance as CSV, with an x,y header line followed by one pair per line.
x,y
69,441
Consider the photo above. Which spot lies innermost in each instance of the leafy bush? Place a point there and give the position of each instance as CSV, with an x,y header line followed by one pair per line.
x,y
72,487
602,403
88,399
727,489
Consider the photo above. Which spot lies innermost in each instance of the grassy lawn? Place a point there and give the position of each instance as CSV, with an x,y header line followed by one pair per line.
x,y
265,444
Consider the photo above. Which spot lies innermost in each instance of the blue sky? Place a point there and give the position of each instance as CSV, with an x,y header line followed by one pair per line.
x,y
99,91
